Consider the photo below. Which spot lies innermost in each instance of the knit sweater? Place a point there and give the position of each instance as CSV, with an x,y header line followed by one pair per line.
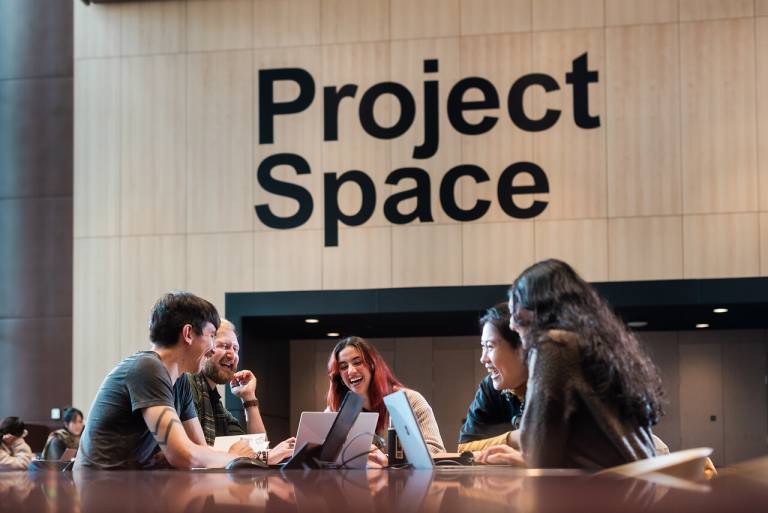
x,y
566,423
426,420
16,456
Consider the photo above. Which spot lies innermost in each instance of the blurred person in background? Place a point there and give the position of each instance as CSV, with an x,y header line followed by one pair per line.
x,y
15,454
65,438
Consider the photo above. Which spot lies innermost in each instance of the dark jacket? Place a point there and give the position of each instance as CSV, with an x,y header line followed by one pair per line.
x,y
491,413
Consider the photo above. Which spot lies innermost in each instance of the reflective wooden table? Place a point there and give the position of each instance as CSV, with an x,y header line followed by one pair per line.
x,y
742,488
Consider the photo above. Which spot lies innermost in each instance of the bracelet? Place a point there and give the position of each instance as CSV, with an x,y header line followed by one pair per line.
x,y
251,403
262,455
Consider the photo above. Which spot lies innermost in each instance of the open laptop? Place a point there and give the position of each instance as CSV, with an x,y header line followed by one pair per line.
x,y
402,417
313,455
411,439
314,427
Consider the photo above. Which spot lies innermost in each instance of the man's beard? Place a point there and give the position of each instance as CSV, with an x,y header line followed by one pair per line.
x,y
216,373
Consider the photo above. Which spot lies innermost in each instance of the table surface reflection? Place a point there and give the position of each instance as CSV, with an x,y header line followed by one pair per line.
x,y
469,489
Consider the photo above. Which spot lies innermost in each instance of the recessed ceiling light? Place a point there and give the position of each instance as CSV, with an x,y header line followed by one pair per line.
x,y
637,324
702,325
311,321
720,310
332,334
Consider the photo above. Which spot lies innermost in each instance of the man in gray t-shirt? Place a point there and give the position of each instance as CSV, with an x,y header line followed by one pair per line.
x,y
118,436
142,407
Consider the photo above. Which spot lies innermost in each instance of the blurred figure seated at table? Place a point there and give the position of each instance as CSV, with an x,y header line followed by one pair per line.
x,y
592,393
15,454
143,415
355,365
219,369
65,438
495,413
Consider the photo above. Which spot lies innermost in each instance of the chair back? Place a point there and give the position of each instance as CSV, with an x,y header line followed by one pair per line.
x,y
686,464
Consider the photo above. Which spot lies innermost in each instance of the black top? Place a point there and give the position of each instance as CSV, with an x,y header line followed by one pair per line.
x,y
491,413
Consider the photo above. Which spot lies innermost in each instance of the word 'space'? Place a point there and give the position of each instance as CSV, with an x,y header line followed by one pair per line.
x,y
579,78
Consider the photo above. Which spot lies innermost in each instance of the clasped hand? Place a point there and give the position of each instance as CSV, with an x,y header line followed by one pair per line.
x,y
243,385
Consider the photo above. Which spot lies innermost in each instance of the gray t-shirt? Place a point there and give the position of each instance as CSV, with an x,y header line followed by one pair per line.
x,y
115,435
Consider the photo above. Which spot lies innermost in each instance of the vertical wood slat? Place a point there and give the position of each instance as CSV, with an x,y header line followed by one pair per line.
x,y
714,9
643,113
718,116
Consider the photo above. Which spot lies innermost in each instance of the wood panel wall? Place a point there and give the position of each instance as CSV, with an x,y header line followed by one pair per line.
x,y
674,183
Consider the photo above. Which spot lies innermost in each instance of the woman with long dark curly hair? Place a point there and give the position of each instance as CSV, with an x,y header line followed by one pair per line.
x,y
594,393
355,365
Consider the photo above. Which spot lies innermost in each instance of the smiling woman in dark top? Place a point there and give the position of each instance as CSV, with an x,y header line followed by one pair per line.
x,y
596,393
498,405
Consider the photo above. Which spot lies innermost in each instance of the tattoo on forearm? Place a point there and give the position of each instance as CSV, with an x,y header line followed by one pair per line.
x,y
164,441
156,433
160,419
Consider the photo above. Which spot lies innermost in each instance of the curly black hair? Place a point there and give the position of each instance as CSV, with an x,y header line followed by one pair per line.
x,y
612,359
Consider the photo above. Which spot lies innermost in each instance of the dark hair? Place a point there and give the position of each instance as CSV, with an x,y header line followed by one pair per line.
x,y
175,309
383,381
498,317
611,357
70,414
12,426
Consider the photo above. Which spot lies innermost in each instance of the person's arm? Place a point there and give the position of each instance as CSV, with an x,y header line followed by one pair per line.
x,y
544,431
21,456
426,420
56,449
253,420
194,430
476,445
281,451
243,385
179,450
513,439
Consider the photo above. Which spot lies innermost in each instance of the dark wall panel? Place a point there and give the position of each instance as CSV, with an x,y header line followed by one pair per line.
x,y
269,360
36,175
36,38
36,366
36,141
36,257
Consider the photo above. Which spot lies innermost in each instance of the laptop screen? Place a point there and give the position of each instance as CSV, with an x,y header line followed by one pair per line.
x,y
349,410
401,414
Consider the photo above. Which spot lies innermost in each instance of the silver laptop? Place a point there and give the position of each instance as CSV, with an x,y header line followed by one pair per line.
x,y
314,427
402,417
